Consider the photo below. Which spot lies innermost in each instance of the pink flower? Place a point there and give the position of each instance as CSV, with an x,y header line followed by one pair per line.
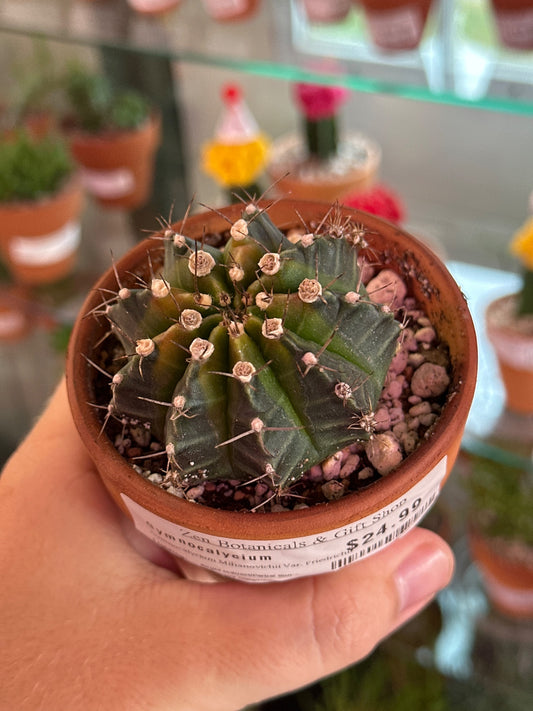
x,y
317,101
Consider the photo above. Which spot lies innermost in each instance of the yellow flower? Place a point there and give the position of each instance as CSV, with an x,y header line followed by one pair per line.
x,y
236,164
522,244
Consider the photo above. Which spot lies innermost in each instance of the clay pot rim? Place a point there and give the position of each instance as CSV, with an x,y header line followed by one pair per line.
x,y
277,166
279,524
505,328
74,132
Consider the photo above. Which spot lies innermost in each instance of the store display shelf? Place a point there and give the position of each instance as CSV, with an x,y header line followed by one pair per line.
x,y
454,64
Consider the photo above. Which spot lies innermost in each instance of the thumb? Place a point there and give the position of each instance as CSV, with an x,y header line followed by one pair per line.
x,y
266,640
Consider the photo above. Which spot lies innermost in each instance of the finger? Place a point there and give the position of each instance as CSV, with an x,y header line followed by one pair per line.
x,y
261,641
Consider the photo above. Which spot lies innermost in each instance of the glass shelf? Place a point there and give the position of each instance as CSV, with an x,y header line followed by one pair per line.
x,y
459,61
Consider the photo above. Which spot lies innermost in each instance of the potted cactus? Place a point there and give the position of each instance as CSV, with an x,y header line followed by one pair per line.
x,y
242,430
41,199
509,321
320,164
113,134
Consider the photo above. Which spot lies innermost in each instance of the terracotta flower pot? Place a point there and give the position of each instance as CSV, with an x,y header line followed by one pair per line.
x,y
39,240
15,314
396,24
513,345
230,10
117,166
326,11
262,547
514,23
154,7
506,568
353,170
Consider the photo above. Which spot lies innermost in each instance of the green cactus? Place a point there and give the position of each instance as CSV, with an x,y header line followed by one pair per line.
x,y
259,359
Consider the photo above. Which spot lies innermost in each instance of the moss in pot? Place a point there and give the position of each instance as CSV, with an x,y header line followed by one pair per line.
x,y
41,200
273,357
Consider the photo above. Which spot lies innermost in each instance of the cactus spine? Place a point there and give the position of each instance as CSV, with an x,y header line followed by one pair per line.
x,y
259,359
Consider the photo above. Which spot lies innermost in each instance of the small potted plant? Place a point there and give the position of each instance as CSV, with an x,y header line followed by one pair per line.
x,y
500,531
326,11
396,25
319,164
514,23
266,421
16,318
113,134
41,199
154,7
509,322
237,154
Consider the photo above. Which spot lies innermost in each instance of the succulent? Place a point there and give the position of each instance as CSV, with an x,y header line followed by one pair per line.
x,y
31,168
259,359
96,105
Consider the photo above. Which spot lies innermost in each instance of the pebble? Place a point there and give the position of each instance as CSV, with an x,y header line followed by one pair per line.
x,y
333,490
426,335
429,380
382,419
387,287
384,452
332,466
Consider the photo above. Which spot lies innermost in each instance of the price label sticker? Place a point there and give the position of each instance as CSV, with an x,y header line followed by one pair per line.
x,y
275,560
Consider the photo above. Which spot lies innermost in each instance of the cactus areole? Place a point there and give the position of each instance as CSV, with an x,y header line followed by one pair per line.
x,y
261,358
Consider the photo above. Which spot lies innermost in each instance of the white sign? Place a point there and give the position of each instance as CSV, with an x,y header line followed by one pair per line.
x,y
262,561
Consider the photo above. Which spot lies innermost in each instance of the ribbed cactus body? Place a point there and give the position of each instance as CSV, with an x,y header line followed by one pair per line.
x,y
258,359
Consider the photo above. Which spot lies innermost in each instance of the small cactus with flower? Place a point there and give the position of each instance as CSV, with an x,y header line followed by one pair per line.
x,y
522,247
258,359
319,106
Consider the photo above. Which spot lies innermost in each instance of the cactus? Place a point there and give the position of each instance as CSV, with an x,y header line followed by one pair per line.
x,y
522,247
259,359
319,107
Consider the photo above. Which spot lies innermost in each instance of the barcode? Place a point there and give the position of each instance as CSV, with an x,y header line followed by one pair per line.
x,y
384,540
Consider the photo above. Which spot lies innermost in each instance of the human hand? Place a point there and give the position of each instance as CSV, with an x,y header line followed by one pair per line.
x,y
92,617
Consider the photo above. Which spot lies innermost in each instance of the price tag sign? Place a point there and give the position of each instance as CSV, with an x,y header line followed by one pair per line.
x,y
266,561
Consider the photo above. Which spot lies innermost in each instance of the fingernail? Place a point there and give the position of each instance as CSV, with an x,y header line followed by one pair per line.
x,y
422,574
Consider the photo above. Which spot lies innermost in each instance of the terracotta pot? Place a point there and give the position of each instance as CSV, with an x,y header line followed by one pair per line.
x,y
514,22
396,24
322,537
229,10
15,315
295,175
326,11
37,124
514,351
117,166
39,240
154,7
506,568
